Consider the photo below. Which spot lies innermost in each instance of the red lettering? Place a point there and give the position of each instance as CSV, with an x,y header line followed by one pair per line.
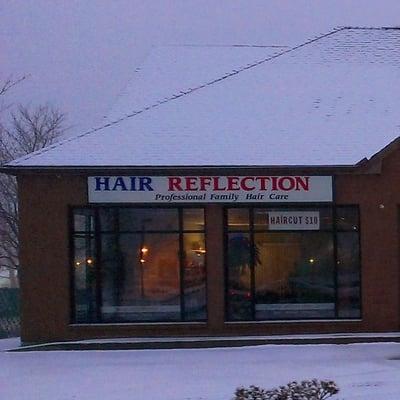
x,y
263,181
205,181
302,182
290,183
274,181
243,183
216,184
233,183
190,183
174,183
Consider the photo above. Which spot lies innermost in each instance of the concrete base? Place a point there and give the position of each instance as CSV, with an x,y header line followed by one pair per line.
x,y
210,342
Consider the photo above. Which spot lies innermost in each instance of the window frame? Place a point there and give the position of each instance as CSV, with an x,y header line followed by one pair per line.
x,y
97,232
334,230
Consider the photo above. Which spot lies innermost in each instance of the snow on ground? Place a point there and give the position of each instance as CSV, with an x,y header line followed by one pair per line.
x,y
10,343
362,371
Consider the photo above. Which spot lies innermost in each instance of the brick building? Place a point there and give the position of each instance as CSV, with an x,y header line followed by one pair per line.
x,y
231,191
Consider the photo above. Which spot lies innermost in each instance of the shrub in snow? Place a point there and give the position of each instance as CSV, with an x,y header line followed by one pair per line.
x,y
305,390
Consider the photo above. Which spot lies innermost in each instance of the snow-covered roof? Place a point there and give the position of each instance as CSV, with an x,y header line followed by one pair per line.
x,y
330,101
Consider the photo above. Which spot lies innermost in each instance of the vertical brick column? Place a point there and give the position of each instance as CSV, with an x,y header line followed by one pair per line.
x,y
215,268
44,253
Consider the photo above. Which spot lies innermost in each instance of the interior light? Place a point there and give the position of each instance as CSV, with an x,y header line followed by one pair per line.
x,y
200,251
311,261
89,261
142,254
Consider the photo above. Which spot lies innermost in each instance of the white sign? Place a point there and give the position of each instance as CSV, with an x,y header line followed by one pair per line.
x,y
209,189
293,220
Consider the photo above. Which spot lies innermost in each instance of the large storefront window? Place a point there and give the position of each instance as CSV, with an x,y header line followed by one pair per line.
x,y
292,263
139,264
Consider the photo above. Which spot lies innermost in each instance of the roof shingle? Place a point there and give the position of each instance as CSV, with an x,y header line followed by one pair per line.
x,y
330,101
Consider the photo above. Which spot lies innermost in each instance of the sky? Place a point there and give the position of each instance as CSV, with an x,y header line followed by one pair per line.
x,y
79,55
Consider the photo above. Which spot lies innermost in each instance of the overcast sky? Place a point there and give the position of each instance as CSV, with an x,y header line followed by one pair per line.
x,y
80,54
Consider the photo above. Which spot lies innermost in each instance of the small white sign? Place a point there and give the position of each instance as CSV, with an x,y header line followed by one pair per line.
x,y
293,220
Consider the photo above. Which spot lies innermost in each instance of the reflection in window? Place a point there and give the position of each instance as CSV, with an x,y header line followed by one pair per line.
x,y
84,266
193,219
291,270
140,277
294,277
348,268
84,221
194,274
238,219
148,269
148,219
347,218
239,298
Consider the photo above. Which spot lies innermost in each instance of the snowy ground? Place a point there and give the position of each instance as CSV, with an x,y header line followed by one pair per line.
x,y
362,371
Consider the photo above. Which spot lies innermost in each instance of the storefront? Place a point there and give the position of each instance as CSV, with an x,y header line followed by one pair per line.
x,y
253,202
136,264
139,249
119,254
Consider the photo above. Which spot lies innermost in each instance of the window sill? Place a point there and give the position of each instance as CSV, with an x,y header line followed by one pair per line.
x,y
293,321
133,324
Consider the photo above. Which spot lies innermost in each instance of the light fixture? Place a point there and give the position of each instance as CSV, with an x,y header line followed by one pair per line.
x,y
199,252
143,253
311,261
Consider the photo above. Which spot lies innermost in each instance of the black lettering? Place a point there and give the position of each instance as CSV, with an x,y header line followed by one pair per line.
x,y
102,181
144,184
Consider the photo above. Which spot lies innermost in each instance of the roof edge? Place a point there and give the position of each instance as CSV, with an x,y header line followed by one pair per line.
x,y
374,163
16,170
376,28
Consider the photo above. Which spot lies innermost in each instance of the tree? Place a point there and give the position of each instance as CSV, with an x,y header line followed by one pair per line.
x,y
25,130
9,83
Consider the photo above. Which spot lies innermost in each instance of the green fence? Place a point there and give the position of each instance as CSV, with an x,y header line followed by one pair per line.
x,y
9,312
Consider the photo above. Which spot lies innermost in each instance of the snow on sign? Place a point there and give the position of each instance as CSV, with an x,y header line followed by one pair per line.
x,y
293,220
209,189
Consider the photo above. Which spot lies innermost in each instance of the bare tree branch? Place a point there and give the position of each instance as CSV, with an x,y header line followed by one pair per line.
x,y
27,130
30,130
9,83
5,87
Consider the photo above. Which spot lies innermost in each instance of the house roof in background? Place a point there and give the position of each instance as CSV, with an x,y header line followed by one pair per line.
x,y
330,101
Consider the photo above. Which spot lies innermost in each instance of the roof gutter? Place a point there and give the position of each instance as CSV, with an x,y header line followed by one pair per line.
x,y
16,170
